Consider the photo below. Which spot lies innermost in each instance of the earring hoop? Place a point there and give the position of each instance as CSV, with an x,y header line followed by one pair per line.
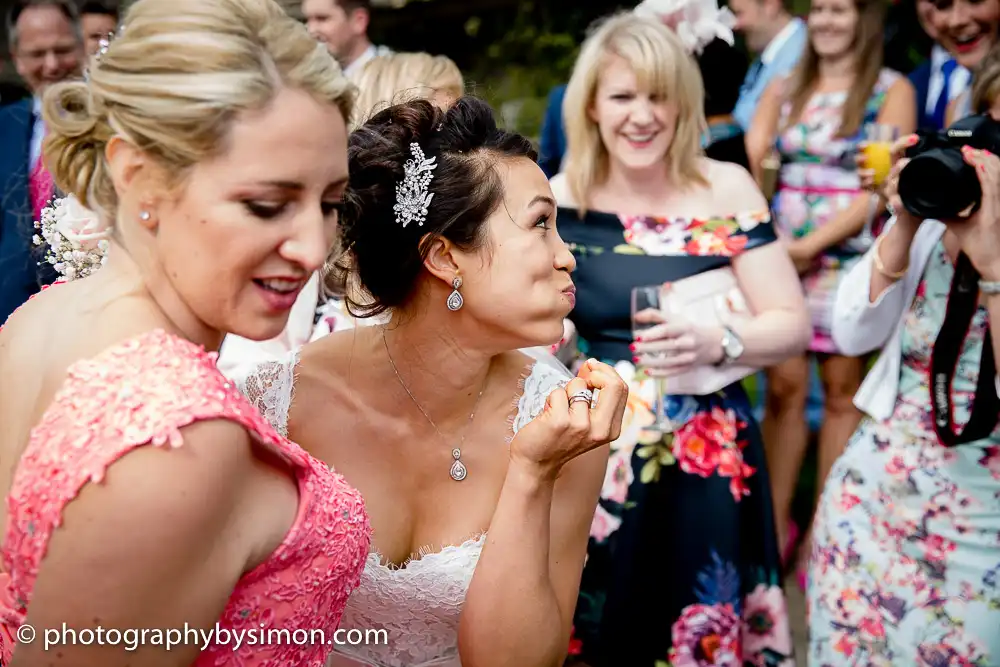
x,y
455,300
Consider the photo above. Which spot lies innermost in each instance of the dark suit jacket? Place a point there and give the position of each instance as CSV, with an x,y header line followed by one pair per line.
x,y
20,272
921,80
552,139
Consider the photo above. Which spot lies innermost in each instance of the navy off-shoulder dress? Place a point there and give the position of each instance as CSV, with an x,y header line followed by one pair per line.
x,y
683,566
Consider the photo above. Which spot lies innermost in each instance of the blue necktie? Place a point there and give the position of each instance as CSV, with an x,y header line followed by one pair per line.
x,y
942,101
750,80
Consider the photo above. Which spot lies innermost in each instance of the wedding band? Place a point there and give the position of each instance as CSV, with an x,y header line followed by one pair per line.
x,y
585,396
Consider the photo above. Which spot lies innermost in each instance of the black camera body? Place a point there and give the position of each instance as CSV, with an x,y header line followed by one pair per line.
x,y
938,183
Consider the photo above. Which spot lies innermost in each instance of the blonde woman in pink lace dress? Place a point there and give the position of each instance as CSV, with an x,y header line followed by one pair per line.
x,y
143,490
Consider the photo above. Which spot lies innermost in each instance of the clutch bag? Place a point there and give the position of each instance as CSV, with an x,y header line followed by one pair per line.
x,y
712,298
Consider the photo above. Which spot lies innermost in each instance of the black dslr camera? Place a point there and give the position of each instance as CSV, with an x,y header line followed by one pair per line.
x,y
938,183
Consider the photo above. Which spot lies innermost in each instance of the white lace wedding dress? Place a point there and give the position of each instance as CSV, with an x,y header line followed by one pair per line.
x,y
418,605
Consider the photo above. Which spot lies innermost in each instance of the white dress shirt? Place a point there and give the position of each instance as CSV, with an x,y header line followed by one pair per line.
x,y
37,133
959,81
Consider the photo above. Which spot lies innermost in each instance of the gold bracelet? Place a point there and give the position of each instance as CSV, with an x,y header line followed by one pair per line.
x,y
880,267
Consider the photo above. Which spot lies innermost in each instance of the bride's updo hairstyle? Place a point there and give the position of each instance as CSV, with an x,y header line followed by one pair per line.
x,y
383,260
172,83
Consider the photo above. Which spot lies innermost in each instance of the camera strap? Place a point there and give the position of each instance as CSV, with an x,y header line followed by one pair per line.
x,y
962,304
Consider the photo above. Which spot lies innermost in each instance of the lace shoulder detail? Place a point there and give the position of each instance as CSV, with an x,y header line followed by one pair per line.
x,y
143,392
269,387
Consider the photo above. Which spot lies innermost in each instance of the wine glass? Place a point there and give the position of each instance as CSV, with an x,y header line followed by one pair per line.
x,y
646,301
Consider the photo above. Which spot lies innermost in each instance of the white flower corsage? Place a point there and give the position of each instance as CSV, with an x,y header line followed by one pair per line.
x,y
76,241
696,22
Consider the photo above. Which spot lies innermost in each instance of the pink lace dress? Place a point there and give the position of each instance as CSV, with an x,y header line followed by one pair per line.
x,y
142,392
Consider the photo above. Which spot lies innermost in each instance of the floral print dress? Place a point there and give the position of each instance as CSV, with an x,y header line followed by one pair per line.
x,y
682,567
818,179
906,552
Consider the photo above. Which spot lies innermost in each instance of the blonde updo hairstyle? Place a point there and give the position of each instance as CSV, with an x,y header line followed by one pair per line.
x,y
662,67
172,83
396,78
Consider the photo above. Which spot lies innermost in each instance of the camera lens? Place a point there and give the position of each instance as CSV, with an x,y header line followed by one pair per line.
x,y
939,185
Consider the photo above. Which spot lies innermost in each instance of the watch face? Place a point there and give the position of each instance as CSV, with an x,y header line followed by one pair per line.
x,y
733,346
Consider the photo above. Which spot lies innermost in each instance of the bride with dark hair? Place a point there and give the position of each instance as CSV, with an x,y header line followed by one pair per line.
x,y
480,467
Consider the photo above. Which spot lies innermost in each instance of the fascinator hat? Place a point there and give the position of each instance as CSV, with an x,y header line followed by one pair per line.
x,y
696,22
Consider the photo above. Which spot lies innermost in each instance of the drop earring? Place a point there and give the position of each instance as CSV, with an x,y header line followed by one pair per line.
x,y
455,300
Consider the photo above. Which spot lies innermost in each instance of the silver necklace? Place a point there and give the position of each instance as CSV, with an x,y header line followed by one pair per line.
x,y
458,470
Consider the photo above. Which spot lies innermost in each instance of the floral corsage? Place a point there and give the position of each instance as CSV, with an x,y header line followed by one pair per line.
x,y
75,240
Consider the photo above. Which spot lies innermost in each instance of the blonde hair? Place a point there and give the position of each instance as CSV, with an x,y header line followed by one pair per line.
x,y
662,67
400,77
868,61
986,81
173,82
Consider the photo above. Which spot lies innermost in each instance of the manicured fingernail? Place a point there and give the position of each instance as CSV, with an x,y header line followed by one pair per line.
x,y
632,347
635,360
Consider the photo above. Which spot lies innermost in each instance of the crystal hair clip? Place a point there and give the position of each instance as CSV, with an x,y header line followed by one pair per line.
x,y
102,48
412,197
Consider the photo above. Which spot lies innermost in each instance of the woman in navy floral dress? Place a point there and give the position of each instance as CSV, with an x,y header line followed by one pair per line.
x,y
683,566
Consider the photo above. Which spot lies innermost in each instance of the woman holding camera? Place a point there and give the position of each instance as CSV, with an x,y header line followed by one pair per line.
x,y
905,556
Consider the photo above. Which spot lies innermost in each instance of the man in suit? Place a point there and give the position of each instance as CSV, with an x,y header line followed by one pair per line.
x,y
46,47
771,31
938,80
343,26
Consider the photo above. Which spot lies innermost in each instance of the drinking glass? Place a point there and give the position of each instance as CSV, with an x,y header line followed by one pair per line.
x,y
877,149
646,301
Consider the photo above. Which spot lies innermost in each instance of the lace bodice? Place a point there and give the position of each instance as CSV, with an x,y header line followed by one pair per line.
x,y
418,605
143,392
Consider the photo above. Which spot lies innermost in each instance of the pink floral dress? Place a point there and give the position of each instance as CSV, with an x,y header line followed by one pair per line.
x,y
142,392
906,555
818,179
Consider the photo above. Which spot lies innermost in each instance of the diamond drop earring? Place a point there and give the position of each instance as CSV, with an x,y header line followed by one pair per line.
x,y
455,300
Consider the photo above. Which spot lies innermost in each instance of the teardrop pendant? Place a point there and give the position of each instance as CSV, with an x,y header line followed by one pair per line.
x,y
455,300
458,470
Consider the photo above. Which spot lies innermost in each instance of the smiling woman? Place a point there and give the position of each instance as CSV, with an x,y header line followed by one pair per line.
x,y
210,143
816,120
684,524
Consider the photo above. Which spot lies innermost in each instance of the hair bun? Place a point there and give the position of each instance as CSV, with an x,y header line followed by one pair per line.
x,y
75,140
383,256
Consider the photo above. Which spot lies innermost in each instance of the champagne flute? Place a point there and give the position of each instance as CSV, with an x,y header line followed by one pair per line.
x,y
877,149
646,301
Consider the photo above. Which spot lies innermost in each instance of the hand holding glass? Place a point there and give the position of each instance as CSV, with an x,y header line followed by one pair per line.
x,y
649,308
877,149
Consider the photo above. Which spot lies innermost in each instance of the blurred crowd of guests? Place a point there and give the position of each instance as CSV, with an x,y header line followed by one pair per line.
x,y
666,162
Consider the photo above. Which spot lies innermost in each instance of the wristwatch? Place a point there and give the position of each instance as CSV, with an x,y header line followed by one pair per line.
x,y
989,287
732,347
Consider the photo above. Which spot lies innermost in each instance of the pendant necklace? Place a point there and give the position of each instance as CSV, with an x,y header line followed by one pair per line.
x,y
458,470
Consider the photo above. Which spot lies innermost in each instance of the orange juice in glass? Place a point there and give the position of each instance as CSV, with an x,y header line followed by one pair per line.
x,y
877,149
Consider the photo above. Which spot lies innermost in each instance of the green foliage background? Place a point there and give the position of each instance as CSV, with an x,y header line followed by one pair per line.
x,y
513,52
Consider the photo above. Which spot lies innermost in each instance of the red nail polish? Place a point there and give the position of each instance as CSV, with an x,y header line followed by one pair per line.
x,y
635,360
632,347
